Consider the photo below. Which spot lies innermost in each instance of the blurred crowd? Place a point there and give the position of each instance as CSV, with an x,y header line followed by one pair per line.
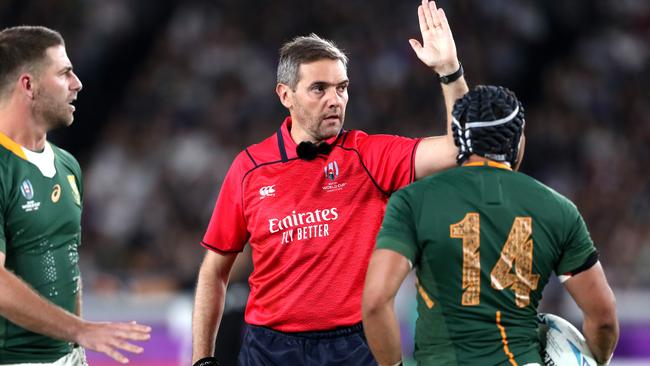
x,y
173,90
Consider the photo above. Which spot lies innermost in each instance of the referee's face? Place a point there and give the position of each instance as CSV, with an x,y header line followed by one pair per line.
x,y
318,104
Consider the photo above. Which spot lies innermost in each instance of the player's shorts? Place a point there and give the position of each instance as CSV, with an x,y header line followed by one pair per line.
x,y
75,358
343,346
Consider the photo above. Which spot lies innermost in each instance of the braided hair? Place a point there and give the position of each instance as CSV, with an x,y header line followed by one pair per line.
x,y
488,121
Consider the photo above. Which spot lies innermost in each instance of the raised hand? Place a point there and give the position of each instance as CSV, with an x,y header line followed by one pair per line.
x,y
110,338
438,49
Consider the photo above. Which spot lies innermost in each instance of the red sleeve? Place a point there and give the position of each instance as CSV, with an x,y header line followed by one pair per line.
x,y
227,232
390,159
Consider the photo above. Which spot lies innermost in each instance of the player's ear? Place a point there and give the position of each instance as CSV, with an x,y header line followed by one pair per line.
x,y
285,94
26,85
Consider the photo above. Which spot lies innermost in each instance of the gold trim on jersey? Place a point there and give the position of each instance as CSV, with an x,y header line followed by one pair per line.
x,y
493,164
423,293
12,146
504,340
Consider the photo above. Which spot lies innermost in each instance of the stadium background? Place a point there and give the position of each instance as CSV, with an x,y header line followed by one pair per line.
x,y
174,89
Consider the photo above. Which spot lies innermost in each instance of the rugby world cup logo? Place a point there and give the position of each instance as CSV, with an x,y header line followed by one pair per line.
x,y
27,190
331,170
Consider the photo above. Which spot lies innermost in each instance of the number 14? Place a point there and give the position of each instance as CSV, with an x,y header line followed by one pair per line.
x,y
517,249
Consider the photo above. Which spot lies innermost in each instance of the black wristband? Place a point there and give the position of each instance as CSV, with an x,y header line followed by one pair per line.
x,y
453,76
207,361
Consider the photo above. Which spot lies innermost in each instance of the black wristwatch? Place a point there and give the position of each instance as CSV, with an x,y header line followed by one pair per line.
x,y
446,79
207,361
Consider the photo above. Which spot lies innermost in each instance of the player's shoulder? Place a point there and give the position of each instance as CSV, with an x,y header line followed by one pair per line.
x,y
547,193
66,158
5,155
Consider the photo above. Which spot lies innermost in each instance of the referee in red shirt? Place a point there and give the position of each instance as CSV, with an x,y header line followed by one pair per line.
x,y
310,200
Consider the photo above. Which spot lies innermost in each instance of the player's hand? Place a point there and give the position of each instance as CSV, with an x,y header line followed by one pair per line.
x,y
438,49
111,338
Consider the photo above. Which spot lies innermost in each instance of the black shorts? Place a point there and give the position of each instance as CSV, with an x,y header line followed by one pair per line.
x,y
342,346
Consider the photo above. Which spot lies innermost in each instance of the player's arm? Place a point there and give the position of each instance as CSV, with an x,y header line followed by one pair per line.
x,y
438,51
78,302
386,272
25,307
209,302
595,298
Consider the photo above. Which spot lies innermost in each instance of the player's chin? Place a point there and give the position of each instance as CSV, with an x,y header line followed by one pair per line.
x,y
65,121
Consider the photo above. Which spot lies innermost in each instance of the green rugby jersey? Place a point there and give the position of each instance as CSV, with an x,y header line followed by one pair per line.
x,y
484,241
40,230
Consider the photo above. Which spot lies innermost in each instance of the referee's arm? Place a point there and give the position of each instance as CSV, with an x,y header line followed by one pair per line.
x,y
209,302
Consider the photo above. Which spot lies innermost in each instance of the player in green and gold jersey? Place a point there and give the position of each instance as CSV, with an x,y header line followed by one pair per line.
x,y
484,240
40,212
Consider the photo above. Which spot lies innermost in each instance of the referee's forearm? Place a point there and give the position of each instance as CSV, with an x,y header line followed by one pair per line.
x,y
208,309
451,93
382,331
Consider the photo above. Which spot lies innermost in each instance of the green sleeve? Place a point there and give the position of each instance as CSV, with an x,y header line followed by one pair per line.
x,y
3,238
398,232
577,246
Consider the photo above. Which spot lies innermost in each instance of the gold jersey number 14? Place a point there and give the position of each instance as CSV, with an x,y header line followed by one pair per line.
x,y
517,251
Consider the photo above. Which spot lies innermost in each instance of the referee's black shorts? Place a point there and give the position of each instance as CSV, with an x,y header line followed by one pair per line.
x,y
342,346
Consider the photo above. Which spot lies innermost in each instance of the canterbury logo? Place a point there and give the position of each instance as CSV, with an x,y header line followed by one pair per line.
x,y
268,191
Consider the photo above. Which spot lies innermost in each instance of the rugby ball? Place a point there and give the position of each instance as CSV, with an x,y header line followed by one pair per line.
x,y
562,343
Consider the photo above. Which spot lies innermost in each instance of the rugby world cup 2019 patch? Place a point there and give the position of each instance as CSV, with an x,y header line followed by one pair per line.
x,y
27,190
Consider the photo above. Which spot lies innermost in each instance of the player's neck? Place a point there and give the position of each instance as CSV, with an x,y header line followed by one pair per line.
x,y
476,159
20,126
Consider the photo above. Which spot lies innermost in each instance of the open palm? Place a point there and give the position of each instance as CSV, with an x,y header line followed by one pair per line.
x,y
438,49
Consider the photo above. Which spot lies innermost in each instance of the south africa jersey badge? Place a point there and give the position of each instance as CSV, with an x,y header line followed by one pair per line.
x,y
75,190
27,190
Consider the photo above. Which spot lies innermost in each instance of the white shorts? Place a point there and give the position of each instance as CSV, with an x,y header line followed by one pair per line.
x,y
75,358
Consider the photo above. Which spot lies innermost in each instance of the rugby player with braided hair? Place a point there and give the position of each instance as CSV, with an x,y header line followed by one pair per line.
x,y
484,240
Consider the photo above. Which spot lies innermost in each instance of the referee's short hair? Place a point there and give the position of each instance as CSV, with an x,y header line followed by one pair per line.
x,y
305,49
488,121
22,49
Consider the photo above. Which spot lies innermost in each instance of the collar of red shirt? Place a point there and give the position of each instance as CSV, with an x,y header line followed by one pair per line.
x,y
287,146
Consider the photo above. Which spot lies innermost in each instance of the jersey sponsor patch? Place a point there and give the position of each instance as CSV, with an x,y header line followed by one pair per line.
x,y
303,225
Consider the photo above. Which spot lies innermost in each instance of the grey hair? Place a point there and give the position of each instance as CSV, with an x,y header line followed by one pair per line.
x,y
305,49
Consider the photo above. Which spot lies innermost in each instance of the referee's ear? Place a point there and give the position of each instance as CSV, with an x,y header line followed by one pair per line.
x,y
285,94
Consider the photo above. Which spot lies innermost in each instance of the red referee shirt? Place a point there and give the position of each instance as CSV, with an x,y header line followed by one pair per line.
x,y
311,224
